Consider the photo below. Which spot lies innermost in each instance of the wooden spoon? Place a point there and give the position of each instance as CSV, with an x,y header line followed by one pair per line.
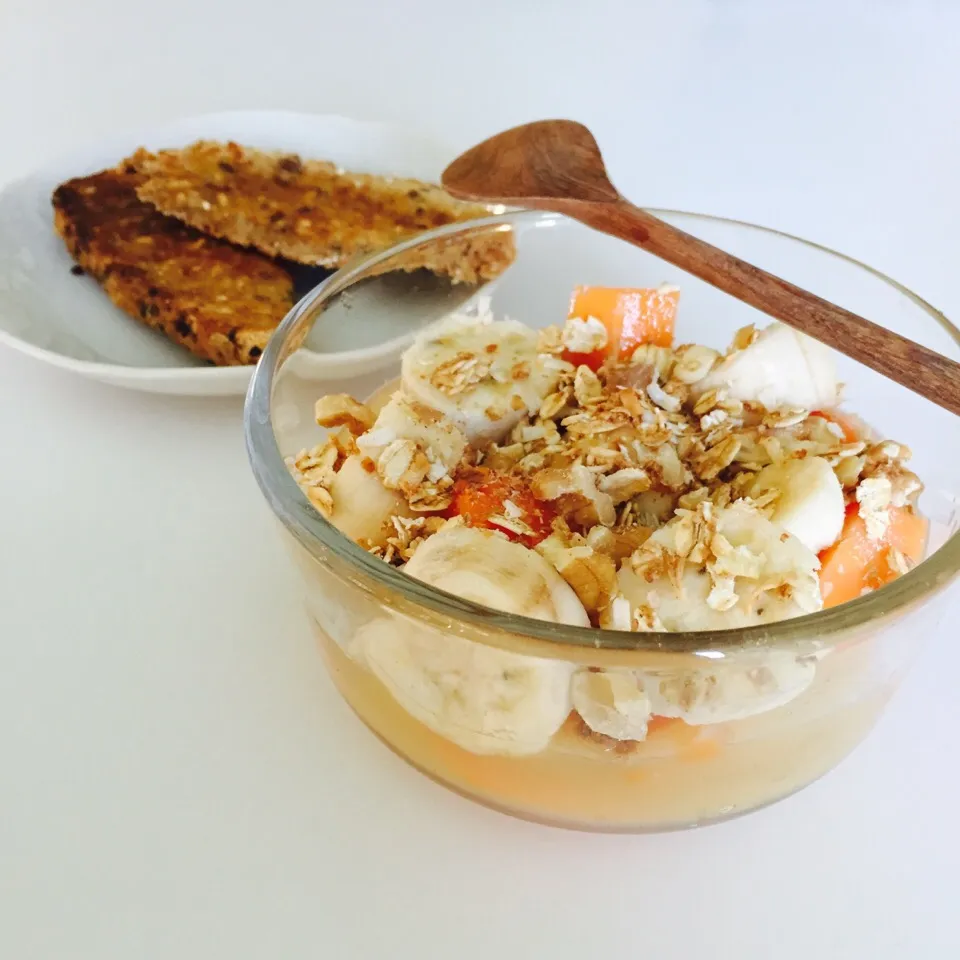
x,y
556,165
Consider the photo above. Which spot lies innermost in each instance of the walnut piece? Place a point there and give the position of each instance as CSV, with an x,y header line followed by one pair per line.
x,y
592,575
341,410
577,487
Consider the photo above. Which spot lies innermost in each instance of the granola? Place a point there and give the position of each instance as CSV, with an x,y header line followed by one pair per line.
x,y
667,488
314,471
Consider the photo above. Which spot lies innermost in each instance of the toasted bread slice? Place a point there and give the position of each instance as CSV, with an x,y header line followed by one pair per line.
x,y
220,302
312,212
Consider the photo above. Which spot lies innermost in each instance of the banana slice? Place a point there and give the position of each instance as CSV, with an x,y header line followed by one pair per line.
x,y
810,504
483,375
715,570
485,700
362,506
781,368
722,569
403,419
612,702
485,567
724,692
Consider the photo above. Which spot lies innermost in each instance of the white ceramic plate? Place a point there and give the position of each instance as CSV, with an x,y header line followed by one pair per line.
x,y
67,321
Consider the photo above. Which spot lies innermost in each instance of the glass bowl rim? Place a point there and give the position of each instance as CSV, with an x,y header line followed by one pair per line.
x,y
311,530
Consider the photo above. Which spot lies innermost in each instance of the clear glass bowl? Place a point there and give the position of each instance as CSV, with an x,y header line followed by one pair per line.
x,y
680,775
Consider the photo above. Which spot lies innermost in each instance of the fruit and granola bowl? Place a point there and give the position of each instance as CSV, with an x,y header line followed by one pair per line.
x,y
609,552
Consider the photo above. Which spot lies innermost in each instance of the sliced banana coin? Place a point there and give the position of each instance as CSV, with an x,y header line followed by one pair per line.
x,y
362,506
734,691
403,419
484,375
485,700
781,368
612,702
809,503
722,569
485,567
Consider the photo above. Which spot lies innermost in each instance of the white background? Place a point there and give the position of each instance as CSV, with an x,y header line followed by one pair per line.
x,y
177,777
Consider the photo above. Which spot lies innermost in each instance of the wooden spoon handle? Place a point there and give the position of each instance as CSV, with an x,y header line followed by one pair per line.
x,y
888,353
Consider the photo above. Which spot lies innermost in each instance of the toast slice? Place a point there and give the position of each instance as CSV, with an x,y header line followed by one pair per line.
x,y
312,212
220,302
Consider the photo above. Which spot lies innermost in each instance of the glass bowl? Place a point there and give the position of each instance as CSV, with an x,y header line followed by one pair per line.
x,y
681,775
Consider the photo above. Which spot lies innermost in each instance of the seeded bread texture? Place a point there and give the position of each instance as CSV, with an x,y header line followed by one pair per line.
x,y
312,212
220,302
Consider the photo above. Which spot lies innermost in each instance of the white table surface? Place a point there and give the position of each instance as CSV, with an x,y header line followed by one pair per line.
x,y
177,777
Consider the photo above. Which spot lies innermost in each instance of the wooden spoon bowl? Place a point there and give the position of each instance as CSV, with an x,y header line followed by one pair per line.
x,y
556,165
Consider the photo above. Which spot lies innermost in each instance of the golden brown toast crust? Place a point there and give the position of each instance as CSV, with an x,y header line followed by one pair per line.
x,y
219,302
312,212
